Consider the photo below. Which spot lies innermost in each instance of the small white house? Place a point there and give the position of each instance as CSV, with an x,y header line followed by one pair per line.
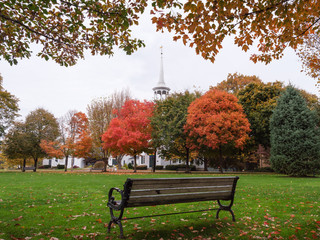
x,y
79,162
148,160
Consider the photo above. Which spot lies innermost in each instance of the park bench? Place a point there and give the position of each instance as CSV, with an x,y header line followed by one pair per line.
x,y
96,169
161,191
181,169
29,168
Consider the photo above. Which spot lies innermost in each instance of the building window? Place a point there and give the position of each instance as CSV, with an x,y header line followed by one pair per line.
x,y
143,160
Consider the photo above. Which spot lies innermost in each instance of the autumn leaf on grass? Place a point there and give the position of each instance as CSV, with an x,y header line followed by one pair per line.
x,y
14,238
17,219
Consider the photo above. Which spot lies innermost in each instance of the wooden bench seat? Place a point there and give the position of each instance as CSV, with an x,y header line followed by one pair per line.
x,y
160,191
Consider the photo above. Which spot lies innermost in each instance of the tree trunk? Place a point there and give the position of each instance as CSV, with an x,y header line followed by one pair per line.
x,y
24,165
154,161
187,161
205,164
220,159
66,164
119,158
135,163
105,160
35,164
72,163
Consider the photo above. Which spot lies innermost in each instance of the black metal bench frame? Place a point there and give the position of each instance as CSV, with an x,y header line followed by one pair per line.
x,y
125,196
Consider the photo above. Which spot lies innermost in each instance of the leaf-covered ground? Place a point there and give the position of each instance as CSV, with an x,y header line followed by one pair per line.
x,y
73,206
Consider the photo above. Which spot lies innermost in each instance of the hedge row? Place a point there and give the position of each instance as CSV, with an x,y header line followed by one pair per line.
x,y
175,167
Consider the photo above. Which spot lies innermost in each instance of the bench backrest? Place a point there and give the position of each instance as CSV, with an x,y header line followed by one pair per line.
x,y
158,191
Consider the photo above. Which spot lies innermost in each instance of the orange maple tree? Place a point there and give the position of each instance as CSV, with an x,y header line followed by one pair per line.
x,y
130,132
74,140
216,120
82,142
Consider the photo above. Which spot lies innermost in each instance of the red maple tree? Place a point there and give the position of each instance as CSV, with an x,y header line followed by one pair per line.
x,y
130,132
216,120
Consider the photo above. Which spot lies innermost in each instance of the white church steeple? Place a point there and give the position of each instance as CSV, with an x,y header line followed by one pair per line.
x,y
161,91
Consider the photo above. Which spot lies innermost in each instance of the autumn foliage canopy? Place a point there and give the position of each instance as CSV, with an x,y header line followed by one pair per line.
x,y
216,119
66,29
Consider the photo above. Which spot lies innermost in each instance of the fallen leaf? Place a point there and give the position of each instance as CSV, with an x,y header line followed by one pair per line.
x,y
18,218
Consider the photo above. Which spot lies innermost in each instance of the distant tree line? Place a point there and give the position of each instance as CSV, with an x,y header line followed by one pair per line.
x,y
223,128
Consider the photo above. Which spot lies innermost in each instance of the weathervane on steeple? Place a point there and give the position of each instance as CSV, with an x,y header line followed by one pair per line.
x,y
161,91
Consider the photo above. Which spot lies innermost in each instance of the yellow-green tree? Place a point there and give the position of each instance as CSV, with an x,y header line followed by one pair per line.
x,y
8,108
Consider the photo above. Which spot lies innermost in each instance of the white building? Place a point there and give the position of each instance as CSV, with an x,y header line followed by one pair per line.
x,y
79,162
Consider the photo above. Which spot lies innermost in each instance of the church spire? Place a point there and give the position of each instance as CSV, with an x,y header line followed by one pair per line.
x,y
161,91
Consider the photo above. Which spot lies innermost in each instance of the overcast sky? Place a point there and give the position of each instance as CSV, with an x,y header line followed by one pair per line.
x,y
40,83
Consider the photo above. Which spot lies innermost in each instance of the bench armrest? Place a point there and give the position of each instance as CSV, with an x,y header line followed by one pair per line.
x,y
115,204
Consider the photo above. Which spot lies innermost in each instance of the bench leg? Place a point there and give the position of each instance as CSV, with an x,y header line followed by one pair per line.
x,y
118,222
109,226
121,229
226,208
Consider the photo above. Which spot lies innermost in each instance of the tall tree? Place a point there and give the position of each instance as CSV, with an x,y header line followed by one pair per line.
x,y
67,28
8,108
41,125
74,139
215,121
258,101
168,123
17,144
100,113
236,82
82,139
295,137
130,132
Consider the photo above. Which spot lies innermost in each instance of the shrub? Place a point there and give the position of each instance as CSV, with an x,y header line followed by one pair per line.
x,y
159,167
99,164
60,166
44,167
142,167
76,166
175,167
125,166
264,169
130,166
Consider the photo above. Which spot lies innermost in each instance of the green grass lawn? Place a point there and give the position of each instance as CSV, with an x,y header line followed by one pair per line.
x,y
73,206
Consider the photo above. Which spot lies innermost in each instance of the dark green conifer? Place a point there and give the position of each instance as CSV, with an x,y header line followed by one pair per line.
x,y
295,138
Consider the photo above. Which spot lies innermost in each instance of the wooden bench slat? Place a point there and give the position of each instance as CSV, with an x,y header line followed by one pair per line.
x,y
155,191
143,181
178,185
177,198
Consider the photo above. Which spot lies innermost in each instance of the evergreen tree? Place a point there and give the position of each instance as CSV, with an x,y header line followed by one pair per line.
x,y
295,139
